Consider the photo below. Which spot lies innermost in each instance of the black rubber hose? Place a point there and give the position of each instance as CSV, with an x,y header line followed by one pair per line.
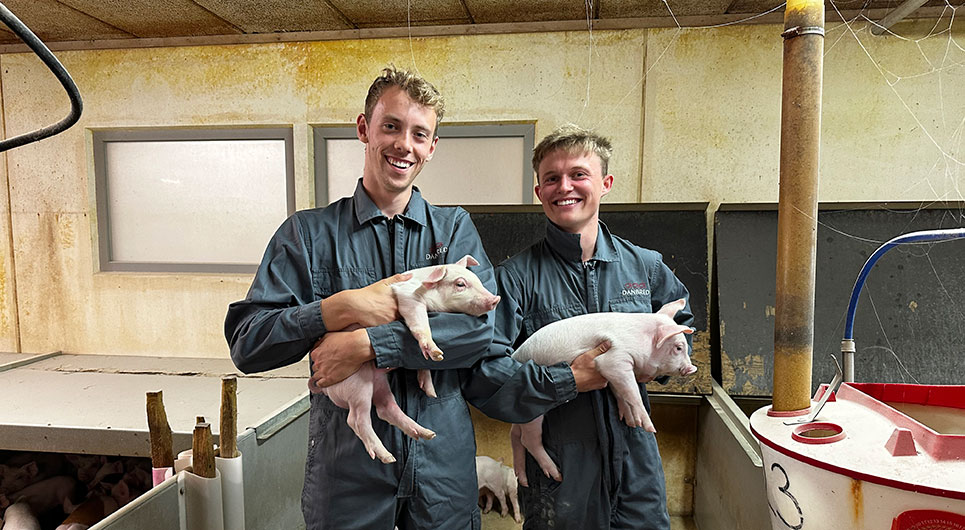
x,y
35,44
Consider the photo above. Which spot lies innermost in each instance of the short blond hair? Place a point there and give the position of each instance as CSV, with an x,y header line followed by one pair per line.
x,y
573,139
417,88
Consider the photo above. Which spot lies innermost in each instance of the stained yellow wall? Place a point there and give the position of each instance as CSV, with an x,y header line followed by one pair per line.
x,y
694,115
64,303
713,100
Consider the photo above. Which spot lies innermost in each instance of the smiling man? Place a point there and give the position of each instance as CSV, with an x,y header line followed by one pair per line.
x,y
612,473
320,287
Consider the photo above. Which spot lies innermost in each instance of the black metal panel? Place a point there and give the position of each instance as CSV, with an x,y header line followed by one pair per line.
x,y
679,234
911,307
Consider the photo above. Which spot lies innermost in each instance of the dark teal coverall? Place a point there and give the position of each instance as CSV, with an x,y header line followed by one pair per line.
x,y
612,473
347,245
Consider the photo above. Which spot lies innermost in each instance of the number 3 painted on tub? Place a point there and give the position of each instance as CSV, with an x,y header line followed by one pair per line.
x,y
784,489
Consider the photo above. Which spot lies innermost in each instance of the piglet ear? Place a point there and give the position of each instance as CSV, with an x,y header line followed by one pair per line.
x,y
121,493
666,332
672,308
467,261
31,469
437,274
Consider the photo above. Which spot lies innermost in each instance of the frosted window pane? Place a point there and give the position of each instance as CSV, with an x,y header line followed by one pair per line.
x,y
477,170
207,201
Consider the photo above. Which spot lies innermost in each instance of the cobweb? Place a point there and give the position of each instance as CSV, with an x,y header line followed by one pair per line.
x,y
941,65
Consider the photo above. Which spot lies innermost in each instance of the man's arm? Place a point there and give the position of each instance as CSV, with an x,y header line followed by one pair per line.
x,y
515,392
280,319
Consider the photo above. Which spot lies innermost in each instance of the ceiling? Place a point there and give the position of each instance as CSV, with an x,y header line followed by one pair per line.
x,y
121,23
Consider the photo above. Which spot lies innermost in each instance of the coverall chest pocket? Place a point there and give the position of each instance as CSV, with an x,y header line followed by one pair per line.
x,y
328,281
535,320
631,304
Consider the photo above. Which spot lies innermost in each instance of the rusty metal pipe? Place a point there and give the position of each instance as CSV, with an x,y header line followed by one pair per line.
x,y
798,206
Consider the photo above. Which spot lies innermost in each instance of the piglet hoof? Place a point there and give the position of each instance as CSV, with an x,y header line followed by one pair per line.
x,y
385,456
432,352
426,434
425,383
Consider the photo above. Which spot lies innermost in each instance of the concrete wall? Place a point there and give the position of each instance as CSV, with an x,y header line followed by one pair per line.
x,y
694,115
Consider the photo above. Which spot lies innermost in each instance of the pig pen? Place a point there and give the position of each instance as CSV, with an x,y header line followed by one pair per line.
x,y
94,405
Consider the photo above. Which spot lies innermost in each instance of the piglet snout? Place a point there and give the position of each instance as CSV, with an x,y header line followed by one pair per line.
x,y
491,303
688,370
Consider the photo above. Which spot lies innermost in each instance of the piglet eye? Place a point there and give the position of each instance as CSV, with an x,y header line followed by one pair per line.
x,y
460,283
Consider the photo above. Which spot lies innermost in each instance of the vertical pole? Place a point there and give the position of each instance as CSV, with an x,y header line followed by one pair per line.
x,y
798,206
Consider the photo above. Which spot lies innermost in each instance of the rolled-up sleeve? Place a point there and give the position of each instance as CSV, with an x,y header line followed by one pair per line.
x,y
462,338
504,388
279,320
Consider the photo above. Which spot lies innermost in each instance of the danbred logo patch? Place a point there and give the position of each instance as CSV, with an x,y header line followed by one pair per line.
x,y
635,289
437,250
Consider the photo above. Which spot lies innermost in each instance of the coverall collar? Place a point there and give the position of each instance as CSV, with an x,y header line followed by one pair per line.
x,y
568,245
366,210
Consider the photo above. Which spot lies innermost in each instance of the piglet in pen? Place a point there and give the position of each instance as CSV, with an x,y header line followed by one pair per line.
x,y
29,504
19,516
643,346
497,482
451,288
16,478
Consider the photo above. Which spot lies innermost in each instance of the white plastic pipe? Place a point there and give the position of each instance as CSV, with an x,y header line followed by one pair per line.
x,y
200,502
233,491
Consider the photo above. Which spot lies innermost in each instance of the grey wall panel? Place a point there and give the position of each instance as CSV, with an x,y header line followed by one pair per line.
x,y
911,306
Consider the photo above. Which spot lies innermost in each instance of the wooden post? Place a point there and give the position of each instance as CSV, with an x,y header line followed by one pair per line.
x,y
798,204
162,452
202,451
228,433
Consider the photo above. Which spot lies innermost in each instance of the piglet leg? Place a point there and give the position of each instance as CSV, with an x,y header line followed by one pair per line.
x,y
486,499
425,383
531,437
618,371
514,500
360,412
388,409
519,455
416,318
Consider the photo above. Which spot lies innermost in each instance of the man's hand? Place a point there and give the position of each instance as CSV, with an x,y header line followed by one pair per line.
x,y
338,355
585,373
369,306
